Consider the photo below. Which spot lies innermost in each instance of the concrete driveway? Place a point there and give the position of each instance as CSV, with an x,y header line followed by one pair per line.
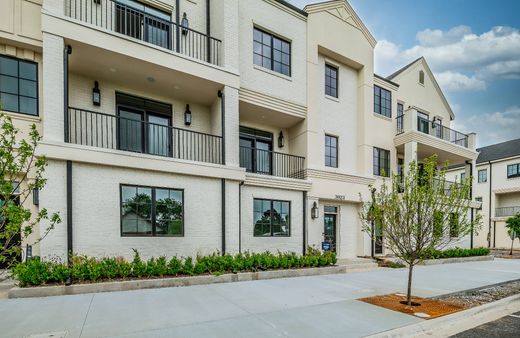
x,y
320,306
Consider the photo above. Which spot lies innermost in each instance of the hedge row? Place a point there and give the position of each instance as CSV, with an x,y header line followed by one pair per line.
x,y
84,269
456,252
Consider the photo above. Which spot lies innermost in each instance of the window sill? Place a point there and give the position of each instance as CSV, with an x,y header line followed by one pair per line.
x,y
272,72
389,119
332,98
22,116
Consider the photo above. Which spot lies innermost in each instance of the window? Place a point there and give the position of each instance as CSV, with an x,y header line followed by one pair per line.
x,y
454,225
271,218
19,85
331,81
421,77
149,211
381,162
400,118
256,150
513,170
382,101
423,122
462,176
482,176
331,151
271,52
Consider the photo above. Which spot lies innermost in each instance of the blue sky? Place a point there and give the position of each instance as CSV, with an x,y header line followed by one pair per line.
x,y
472,46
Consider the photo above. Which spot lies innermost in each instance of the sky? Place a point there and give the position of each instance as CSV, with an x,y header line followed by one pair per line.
x,y
472,47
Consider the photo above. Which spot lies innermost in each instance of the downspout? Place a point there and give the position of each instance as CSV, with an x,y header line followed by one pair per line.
x,y
223,214
177,27
208,31
240,216
304,247
66,52
489,202
220,94
471,198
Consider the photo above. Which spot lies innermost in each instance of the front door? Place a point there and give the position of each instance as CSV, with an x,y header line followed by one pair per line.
x,y
329,230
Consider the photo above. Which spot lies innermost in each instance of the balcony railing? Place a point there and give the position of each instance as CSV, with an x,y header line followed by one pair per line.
x,y
124,19
268,162
442,132
115,132
507,211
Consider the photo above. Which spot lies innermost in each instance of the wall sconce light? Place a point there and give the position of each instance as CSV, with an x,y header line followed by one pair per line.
x,y
187,115
315,212
96,94
184,24
281,140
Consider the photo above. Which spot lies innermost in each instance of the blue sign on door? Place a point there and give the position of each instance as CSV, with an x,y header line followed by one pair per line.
x,y
325,246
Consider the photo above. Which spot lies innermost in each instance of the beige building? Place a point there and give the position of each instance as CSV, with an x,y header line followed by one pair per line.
x,y
497,186
180,127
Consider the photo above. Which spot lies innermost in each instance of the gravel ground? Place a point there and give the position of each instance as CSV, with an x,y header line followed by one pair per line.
x,y
505,254
476,297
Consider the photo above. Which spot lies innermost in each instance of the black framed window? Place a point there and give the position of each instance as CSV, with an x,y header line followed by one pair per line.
x,y
462,176
151,211
381,162
513,170
271,52
331,80
256,150
331,151
400,118
382,101
482,176
272,218
18,85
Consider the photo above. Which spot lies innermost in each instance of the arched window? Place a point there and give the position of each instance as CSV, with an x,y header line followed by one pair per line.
x,y
421,77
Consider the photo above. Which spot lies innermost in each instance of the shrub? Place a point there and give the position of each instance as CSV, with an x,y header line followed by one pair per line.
x,y
455,252
174,266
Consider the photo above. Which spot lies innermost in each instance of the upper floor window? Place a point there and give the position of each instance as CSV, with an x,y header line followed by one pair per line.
x,y
271,217
462,176
18,86
382,101
331,151
482,176
149,211
513,170
421,77
381,162
331,81
271,52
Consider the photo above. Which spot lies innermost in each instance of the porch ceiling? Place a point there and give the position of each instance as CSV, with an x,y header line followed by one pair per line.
x,y
139,75
263,115
424,151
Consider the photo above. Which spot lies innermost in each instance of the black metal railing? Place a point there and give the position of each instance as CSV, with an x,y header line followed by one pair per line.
x,y
268,162
115,132
507,211
124,19
441,132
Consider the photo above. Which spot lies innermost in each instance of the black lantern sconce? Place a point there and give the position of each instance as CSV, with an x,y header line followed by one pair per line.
x,y
96,94
315,212
184,24
281,140
187,115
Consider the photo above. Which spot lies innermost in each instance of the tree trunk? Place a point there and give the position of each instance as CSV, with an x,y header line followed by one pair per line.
x,y
409,292
512,242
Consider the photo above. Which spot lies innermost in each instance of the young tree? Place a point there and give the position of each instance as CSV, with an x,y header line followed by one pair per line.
x,y
513,229
419,212
21,172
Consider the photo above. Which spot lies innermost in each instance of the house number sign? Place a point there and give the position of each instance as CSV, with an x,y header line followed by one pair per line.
x,y
340,197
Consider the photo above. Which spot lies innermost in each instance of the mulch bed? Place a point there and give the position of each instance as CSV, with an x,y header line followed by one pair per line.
x,y
428,308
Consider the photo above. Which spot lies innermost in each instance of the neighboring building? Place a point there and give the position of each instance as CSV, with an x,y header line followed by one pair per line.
x,y
185,127
497,186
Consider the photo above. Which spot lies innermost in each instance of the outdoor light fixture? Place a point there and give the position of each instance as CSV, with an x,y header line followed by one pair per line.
x,y
96,94
281,140
187,115
315,213
184,24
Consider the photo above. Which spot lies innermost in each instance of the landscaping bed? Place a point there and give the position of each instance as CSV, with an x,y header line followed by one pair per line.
x,y
480,296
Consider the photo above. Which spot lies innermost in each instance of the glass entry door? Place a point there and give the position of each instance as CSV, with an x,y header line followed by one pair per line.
x,y
329,230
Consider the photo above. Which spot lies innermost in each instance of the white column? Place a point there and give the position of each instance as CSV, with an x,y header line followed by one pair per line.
x,y
410,154
231,126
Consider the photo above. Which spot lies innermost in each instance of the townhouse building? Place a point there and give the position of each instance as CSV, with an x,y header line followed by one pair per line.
x,y
497,186
185,127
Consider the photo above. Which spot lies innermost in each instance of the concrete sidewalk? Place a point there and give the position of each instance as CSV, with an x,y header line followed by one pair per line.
x,y
322,306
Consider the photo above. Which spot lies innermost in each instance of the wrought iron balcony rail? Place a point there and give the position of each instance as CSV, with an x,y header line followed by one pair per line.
x,y
507,211
268,162
441,132
124,19
115,132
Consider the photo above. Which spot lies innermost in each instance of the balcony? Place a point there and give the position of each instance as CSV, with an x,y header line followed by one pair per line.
x,y
266,162
435,129
108,131
507,211
151,26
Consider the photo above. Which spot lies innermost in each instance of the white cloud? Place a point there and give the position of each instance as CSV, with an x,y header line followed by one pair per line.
x,y
459,82
477,59
492,127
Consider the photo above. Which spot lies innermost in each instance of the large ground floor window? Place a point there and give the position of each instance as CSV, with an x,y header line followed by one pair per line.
x,y
271,218
150,211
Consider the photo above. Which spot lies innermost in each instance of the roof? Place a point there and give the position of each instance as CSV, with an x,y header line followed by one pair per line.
x,y
499,151
292,7
386,80
399,71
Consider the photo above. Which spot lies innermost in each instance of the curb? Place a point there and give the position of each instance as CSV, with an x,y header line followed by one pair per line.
x,y
460,321
458,260
75,289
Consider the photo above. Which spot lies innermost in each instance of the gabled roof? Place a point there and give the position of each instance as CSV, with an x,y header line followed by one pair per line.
x,y
499,151
344,12
292,7
396,75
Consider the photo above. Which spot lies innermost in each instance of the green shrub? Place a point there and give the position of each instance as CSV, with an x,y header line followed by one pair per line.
x,y
174,266
187,267
139,268
110,268
455,252
32,272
